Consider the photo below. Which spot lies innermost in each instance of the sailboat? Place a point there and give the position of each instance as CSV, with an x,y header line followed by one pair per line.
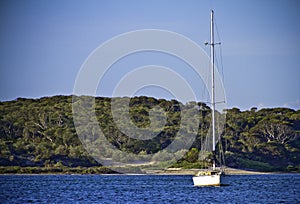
x,y
212,176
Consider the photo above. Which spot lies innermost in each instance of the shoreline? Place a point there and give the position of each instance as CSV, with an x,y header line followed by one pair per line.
x,y
228,171
107,171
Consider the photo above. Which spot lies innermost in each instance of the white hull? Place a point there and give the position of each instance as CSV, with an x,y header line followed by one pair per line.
x,y
207,180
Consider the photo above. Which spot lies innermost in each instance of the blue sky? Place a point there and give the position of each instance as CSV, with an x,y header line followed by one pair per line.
x,y
44,43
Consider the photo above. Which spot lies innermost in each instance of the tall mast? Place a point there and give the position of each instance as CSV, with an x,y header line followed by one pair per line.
x,y
212,57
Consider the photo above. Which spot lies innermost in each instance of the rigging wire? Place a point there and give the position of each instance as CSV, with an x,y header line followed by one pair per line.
x,y
220,51
220,66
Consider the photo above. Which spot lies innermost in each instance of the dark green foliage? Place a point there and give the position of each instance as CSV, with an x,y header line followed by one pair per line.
x,y
192,155
40,134
267,139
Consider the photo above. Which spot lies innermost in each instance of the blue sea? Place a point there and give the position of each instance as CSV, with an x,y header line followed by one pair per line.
x,y
273,188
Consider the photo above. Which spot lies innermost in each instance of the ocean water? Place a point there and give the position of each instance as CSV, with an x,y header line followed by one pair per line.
x,y
274,188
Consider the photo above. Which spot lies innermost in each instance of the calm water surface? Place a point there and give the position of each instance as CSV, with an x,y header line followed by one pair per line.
x,y
283,188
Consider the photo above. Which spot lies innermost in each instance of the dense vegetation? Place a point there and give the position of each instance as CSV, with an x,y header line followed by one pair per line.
x,y
40,133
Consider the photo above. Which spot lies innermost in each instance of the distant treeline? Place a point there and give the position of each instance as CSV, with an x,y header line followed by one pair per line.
x,y
40,133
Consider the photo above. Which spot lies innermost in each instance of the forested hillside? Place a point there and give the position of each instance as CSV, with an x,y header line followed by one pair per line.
x,y
41,132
